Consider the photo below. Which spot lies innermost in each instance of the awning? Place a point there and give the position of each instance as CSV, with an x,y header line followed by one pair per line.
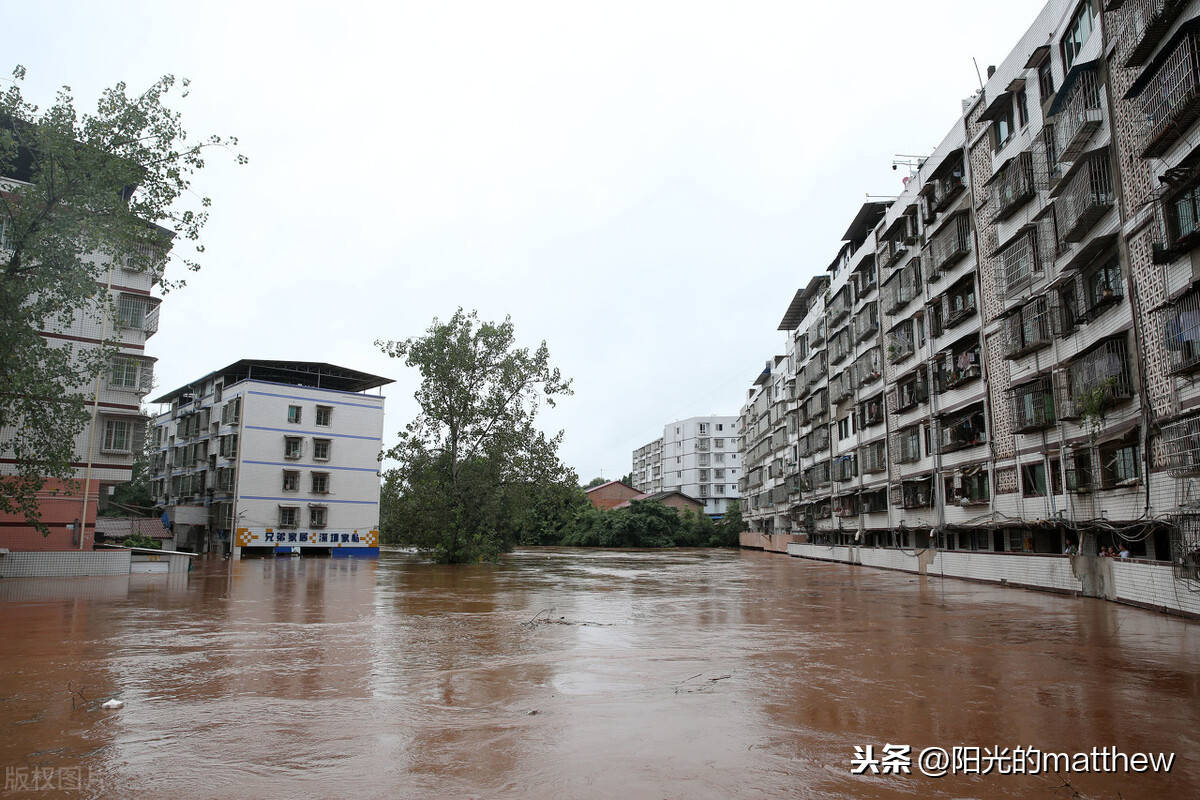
x,y
997,107
865,220
1040,54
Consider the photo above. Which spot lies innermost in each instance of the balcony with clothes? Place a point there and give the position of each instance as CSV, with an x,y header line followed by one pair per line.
x,y
958,364
969,486
1095,381
866,322
872,458
1077,112
845,505
840,305
1027,328
950,243
915,493
817,476
816,334
962,429
908,445
1142,25
1168,92
1012,186
1084,195
901,342
844,468
912,390
1032,405
867,368
1179,322
902,287
869,412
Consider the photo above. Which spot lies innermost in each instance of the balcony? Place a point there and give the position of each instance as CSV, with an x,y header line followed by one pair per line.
x,y
1019,263
1012,186
1032,405
958,367
962,430
1180,326
845,468
1081,479
840,387
1181,446
917,494
900,344
1085,196
869,412
959,304
1027,330
1143,24
839,307
816,334
941,191
839,346
951,243
902,287
1077,113
1170,95
909,446
910,393
866,322
1100,378
867,368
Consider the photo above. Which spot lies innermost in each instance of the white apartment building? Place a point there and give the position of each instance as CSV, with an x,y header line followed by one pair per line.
x,y
272,455
698,456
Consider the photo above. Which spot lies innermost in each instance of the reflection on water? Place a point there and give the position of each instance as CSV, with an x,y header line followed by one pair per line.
x,y
648,674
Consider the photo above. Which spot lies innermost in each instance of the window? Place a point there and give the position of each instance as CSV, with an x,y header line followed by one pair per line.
x,y
718,458
843,427
124,373
294,414
324,416
1002,128
1033,480
131,312
288,516
719,443
321,449
1078,32
217,392
1045,81
291,446
1104,285
229,446
118,435
291,480
231,412
320,483
720,426
1022,109
317,516
1119,465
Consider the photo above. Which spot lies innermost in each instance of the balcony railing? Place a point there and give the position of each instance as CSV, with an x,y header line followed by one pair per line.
x,y
1027,330
839,307
873,458
1181,445
1143,24
1180,325
900,346
1013,186
942,191
151,322
1088,194
962,430
951,243
1032,405
840,387
909,447
867,367
1019,263
1170,100
1078,117
955,369
910,393
866,322
1100,377
903,287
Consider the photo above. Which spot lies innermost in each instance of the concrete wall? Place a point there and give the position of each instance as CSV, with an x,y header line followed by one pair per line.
x,y
62,564
1150,584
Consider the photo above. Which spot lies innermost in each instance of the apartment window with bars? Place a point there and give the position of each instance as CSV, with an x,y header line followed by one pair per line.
x,y
291,447
289,516
128,373
229,446
118,436
1103,285
231,412
1180,324
1119,465
131,312
1078,31
1033,479
291,480
321,449
318,516
293,414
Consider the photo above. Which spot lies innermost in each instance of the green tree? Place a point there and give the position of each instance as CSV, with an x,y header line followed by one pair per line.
x,y
730,526
473,450
116,182
595,482
138,540
627,479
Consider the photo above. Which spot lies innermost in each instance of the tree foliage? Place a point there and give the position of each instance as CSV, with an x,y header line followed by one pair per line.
x,y
645,523
473,460
79,191
594,482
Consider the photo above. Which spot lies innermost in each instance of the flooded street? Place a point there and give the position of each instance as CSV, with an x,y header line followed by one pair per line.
x,y
661,675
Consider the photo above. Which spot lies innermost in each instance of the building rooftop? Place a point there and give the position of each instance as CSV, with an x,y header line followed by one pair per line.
x,y
316,374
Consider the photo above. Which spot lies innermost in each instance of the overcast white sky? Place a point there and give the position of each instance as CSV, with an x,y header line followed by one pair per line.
x,y
643,185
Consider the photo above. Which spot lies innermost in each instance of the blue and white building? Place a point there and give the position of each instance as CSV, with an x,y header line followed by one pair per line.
x,y
265,456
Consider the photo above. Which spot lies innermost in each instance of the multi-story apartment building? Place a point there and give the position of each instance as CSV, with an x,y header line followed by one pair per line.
x,y
698,456
106,447
647,467
272,455
1001,358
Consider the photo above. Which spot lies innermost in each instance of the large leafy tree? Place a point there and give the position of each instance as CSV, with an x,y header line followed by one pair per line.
x,y
473,458
77,191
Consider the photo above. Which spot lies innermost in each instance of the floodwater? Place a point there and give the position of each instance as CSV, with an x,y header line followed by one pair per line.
x,y
682,674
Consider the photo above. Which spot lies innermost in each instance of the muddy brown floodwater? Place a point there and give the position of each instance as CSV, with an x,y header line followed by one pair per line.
x,y
684,674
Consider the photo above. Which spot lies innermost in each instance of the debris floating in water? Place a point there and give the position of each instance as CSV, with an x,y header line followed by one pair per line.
x,y
113,704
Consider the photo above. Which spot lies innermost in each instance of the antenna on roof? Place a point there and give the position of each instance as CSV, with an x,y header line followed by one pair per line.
x,y
978,76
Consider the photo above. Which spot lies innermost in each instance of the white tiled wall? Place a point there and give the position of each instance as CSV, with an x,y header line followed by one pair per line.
x,y
63,564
